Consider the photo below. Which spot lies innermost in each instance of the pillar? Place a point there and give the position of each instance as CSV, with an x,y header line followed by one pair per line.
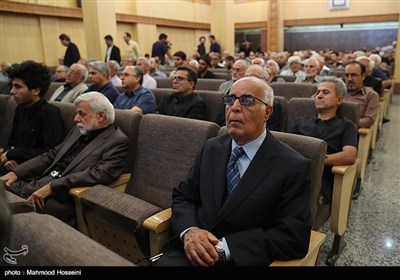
x,y
222,24
98,21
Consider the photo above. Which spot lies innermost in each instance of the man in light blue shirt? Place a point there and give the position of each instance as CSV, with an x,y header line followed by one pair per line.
x,y
135,98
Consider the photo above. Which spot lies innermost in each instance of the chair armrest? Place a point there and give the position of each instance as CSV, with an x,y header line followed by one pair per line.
x,y
158,227
316,240
158,222
343,183
118,185
364,142
78,193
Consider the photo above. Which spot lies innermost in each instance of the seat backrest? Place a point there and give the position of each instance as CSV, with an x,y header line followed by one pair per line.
x,y
214,102
167,147
305,107
290,90
6,119
221,75
68,113
287,78
284,103
311,148
209,84
50,242
128,122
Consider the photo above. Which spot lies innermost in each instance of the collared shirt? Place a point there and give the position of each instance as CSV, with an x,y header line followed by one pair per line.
x,y
108,90
369,105
303,80
250,149
142,98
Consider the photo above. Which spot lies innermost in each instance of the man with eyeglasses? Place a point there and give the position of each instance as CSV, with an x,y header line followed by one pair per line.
x,y
239,68
74,84
135,98
245,202
183,102
357,92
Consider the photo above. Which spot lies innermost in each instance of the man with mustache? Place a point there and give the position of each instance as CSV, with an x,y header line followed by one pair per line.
x,y
92,153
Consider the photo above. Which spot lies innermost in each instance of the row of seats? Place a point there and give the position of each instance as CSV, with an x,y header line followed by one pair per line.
x,y
160,156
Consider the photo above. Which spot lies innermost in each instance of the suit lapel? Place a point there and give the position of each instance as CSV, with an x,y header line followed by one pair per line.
x,y
71,139
93,145
258,169
219,187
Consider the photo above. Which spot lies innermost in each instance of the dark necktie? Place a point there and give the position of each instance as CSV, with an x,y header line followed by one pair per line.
x,y
232,171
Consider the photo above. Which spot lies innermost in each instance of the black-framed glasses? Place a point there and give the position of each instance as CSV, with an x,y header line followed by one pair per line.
x,y
179,78
352,75
245,99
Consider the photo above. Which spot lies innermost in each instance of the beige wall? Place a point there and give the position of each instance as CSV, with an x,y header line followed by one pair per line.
x,y
300,9
251,11
36,37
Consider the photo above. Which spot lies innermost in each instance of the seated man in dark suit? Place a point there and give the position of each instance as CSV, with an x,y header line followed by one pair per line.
x,y
92,153
37,125
245,202
183,102
339,133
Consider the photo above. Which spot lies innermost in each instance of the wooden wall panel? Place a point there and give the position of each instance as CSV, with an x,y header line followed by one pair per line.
x,y
340,40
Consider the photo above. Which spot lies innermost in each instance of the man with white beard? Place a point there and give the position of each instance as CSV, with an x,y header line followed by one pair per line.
x,y
92,153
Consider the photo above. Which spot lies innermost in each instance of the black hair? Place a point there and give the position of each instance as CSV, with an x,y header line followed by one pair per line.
x,y
33,74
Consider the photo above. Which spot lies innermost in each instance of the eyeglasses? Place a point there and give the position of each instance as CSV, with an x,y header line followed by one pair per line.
x,y
245,100
179,78
353,75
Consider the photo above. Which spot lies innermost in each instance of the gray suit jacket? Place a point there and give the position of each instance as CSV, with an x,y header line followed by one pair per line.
x,y
100,162
225,86
71,95
267,216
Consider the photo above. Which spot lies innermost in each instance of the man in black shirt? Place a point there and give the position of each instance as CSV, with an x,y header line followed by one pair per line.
x,y
37,125
339,133
72,54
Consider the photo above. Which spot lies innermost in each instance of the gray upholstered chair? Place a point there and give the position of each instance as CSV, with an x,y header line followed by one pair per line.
x,y
311,148
344,176
46,241
290,90
166,150
287,78
284,103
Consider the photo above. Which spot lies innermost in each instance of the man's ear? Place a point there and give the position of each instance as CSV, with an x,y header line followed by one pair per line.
x,y
340,100
101,117
35,91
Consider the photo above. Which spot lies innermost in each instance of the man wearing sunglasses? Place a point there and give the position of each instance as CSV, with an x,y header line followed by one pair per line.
x,y
183,102
245,202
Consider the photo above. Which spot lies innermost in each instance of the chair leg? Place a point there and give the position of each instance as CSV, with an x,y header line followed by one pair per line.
x,y
357,189
337,247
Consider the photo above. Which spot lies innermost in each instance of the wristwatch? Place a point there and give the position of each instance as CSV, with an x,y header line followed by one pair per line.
x,y
221,252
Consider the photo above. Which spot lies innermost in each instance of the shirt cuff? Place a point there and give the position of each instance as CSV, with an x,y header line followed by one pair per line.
x,y
226,249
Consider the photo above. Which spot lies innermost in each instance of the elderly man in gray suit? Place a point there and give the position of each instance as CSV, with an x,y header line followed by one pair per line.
x,y
74,84
92,153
